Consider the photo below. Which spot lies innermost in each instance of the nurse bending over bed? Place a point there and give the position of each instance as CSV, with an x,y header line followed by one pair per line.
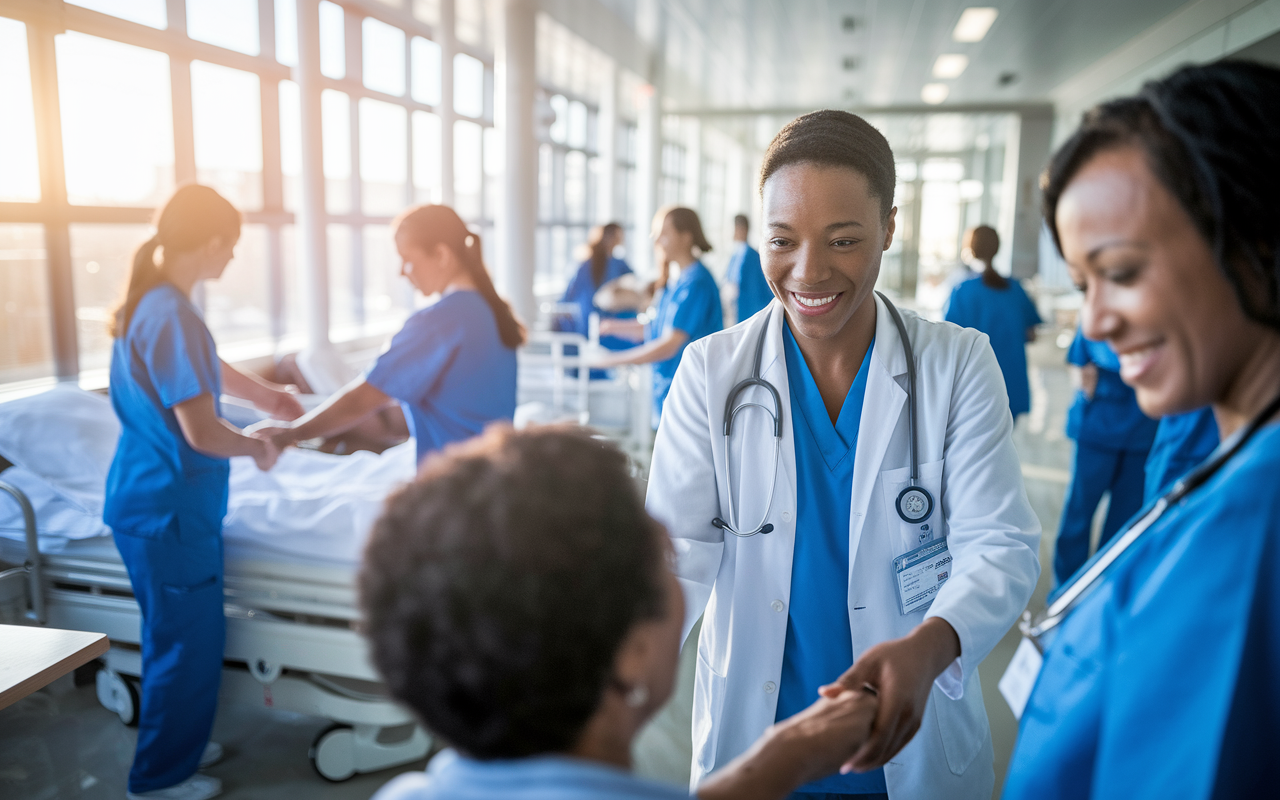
x,y
453,364
166,492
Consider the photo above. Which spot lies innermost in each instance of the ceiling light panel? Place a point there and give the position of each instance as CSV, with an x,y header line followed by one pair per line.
x,y
950,65
934,93
974,24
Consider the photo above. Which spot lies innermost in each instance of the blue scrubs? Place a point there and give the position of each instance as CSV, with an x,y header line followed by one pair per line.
x,y
1004,315
690,304
746,273
582,291
165,503
450,776
1113,438
450,371
1182,442
1162,683
819,645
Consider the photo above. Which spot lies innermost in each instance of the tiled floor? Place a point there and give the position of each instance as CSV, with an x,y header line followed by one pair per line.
x,y
60,743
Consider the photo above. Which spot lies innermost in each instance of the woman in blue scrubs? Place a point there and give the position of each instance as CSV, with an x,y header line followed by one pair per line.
x,y
1160,680
1113,438
1000,308
452,367
600,268
688,309
166,493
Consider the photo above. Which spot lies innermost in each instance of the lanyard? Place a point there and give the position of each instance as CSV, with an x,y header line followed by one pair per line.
x,y
1070,596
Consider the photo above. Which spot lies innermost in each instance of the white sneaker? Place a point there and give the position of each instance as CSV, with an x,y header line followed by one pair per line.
x,y
197,787
212,755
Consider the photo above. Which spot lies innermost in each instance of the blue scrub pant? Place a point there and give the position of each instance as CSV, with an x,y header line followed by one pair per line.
x,y
832,796
1097,471
178,586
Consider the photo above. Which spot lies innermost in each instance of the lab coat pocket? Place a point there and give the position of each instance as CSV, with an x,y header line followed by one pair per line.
x,y
907,536
708,703
962,727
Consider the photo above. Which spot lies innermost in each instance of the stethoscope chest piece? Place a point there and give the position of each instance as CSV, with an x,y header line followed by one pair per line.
x,y
915,504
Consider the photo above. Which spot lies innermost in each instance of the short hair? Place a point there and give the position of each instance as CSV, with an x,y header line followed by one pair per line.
x,y
498,586
836,139
741,221
1209,137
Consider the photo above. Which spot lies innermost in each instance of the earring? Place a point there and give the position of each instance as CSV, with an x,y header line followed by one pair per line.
x,y
637,695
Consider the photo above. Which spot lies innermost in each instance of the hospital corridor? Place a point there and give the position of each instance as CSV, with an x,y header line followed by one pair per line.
x,y
639,399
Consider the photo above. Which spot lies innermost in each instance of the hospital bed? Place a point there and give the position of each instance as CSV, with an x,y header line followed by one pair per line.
x,y
292,546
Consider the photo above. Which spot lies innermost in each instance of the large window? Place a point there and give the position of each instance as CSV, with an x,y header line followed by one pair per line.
x,y
144,105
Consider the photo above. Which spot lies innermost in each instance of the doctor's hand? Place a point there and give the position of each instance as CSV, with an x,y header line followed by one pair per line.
x,y
901,671
1089,380
280,436
810,745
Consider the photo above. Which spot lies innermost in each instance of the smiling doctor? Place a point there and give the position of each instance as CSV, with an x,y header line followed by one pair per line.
x,y
821,549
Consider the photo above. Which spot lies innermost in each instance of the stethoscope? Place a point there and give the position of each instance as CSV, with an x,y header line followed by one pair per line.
x,y
914,503
1070,595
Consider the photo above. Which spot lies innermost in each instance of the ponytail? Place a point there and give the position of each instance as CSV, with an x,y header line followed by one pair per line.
x,y
429,225
510,329
143,277
600,251
188,220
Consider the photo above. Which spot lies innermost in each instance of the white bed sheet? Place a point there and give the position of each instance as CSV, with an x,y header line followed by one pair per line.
x,y
312,508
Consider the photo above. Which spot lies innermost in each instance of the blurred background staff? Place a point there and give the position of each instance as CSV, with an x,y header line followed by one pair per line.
x,y
452,367
744,279
599,268
1113,438
1000,308
1159,677
688,308
166,493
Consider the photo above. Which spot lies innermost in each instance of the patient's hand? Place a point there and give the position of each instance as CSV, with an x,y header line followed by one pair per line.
x,y
802,748
282,405
280,436
266,459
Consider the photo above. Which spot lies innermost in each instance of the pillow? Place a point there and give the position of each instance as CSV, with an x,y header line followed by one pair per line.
x,y
67,438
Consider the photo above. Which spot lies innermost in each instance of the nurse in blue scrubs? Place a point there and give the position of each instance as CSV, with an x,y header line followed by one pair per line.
x,y
688,309
1182,442
600,268
1161,680
452,367
1113,438
166,492
1000,308
745,273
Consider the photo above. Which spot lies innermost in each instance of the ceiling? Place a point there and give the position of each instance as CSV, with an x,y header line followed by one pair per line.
x,y
799,53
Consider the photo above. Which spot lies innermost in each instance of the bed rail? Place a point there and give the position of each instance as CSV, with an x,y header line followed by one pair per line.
x,y
33,566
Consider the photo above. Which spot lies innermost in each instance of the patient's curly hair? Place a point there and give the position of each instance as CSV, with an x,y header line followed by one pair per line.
x,y
498,586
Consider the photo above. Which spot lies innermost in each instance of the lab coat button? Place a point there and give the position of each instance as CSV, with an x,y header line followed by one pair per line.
x,y
777,605
786,516
770,686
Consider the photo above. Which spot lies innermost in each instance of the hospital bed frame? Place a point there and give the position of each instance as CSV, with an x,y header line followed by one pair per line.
x,y
291,645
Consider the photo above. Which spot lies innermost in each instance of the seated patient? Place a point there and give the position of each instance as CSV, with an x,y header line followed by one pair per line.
x,y
519,599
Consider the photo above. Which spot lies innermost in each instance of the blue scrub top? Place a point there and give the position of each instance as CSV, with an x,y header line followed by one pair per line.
x,y
1182,442
582,291
1112,420
1162,683
450,370
157,481
746,273
1004,316
691,304
450,776
819,645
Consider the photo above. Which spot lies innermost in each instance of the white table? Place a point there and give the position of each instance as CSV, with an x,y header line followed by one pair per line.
x,y
31,658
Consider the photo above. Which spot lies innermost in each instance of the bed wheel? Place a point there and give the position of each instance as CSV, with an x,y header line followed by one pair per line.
x,y
119,694
333,753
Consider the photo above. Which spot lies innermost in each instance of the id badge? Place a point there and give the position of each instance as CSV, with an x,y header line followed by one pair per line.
x,y
921,574
1020,678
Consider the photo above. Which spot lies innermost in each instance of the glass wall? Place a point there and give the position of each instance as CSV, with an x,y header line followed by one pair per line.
x,y
214,102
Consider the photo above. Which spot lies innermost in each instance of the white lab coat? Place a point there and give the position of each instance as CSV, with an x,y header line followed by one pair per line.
x,y
743,585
